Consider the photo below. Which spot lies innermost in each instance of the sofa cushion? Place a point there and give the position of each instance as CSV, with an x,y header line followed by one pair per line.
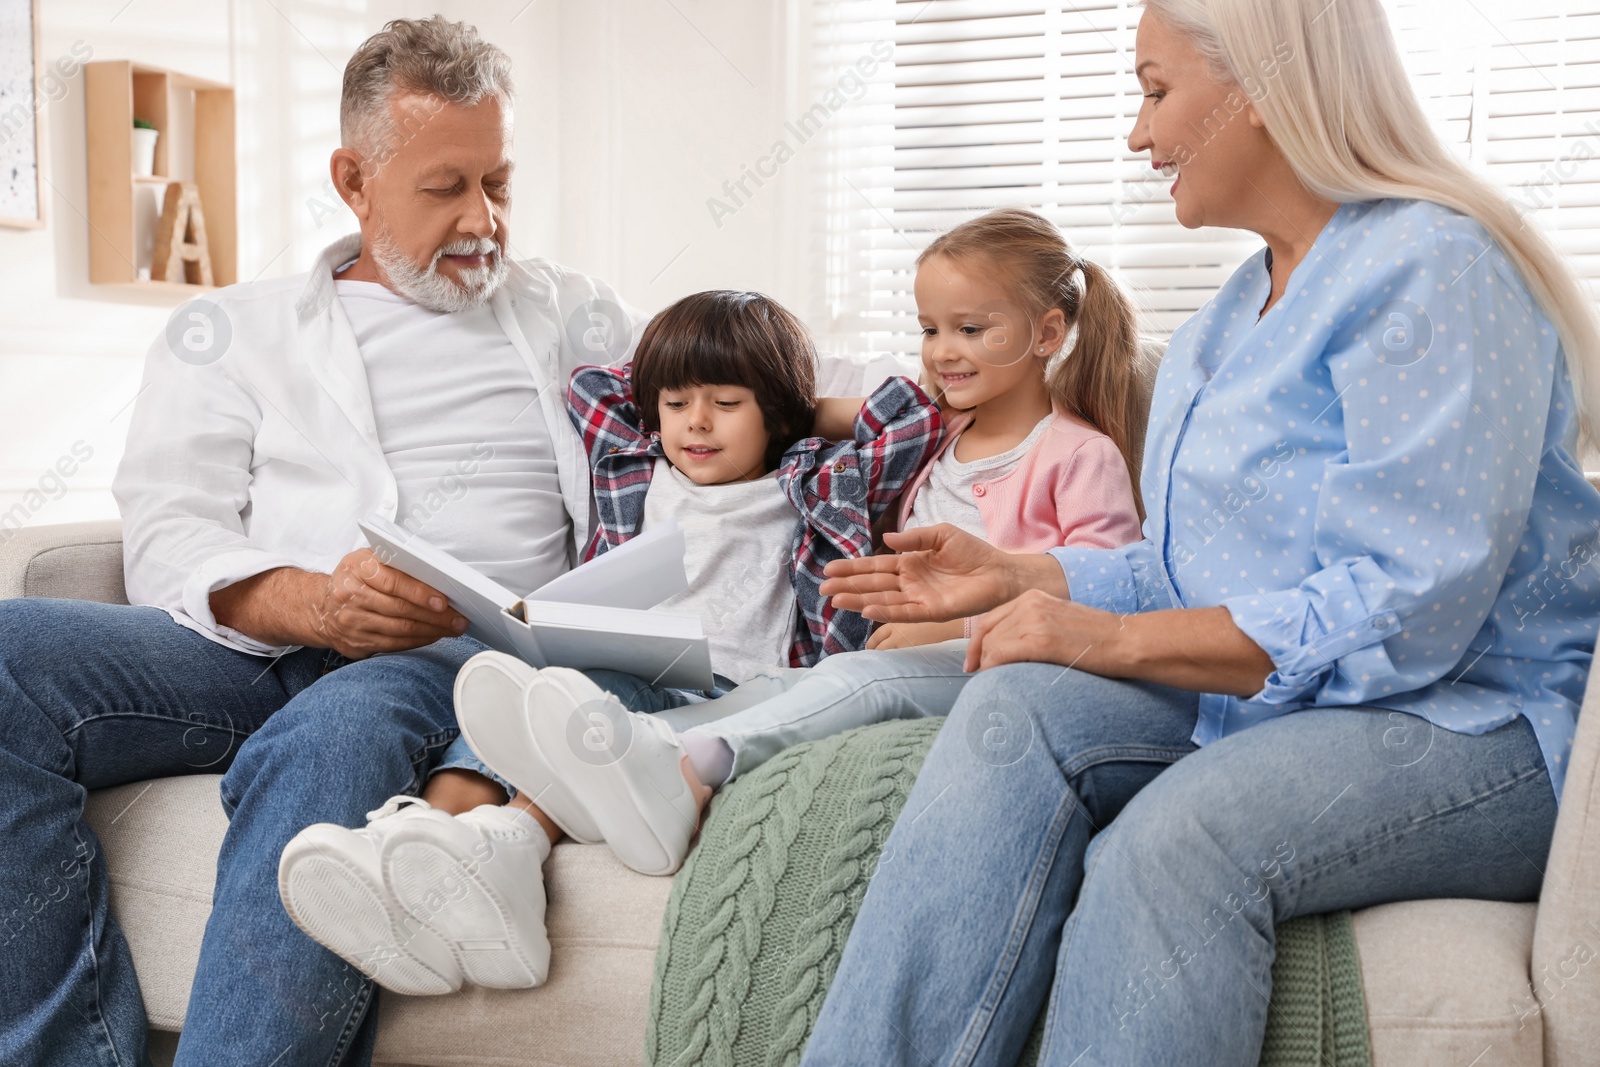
x,y
1445,980
1566,942
161,839
77,561
604,922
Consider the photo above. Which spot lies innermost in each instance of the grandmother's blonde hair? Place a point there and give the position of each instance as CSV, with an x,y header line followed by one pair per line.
x,y
1347,120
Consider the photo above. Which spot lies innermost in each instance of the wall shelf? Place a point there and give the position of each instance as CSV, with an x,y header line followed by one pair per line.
x,y
195,118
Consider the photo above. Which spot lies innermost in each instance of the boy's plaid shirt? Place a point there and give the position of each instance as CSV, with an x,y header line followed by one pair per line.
x,y
839,488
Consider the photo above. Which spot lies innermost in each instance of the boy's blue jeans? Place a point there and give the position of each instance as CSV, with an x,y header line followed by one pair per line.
x,y
95,695
1067,848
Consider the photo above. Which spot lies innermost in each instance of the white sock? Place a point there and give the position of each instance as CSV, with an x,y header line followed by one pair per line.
x,y
524,818
709,755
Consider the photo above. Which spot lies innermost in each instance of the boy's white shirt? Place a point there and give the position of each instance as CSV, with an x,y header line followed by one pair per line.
x,y
739,539
268,456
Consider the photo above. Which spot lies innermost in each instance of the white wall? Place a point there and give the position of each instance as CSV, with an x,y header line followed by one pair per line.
x,y
70,353
631,115
657,112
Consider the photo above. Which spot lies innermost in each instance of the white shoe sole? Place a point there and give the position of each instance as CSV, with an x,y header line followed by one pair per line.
x,y
335,902
444,888
641,823
492,709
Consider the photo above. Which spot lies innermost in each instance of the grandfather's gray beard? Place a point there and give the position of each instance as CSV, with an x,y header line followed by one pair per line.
x,y
428,288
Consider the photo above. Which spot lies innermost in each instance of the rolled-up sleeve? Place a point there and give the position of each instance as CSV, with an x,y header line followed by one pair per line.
x,y
1126,580
1417,520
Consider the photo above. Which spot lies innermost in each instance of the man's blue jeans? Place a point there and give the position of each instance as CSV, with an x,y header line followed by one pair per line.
x,y
1066,847
94,695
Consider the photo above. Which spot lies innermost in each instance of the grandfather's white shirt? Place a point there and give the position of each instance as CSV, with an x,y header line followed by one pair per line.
x,y
459,424
260,449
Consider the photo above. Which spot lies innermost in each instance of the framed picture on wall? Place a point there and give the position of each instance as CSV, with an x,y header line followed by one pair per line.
x,y
21,116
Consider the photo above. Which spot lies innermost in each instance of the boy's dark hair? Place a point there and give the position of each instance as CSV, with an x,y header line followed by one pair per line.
x,y
723,337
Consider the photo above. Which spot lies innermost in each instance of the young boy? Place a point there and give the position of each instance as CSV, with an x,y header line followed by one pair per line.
x,y
705,428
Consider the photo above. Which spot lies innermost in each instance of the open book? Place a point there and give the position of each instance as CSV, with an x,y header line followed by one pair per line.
x,y
595,615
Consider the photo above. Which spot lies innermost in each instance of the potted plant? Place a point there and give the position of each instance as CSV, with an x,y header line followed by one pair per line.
x,y
145,136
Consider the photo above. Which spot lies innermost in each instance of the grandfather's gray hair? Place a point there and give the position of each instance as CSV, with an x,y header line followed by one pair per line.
x,y
432,56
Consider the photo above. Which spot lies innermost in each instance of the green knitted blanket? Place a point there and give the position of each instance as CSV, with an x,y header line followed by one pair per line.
x,y
758,916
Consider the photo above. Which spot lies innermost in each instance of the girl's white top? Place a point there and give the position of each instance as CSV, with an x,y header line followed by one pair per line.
x,y
740,547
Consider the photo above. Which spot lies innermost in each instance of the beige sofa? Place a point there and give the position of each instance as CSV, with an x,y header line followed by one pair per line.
x,y
1449,982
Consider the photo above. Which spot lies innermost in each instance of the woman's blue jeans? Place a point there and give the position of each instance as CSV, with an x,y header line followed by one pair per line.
x,y
95,695
1067,848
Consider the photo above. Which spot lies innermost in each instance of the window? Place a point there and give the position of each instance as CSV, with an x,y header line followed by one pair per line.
x,y
995,102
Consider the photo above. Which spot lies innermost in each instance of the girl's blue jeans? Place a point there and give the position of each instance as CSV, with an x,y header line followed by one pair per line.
x,y
1067,848
785,706
632,692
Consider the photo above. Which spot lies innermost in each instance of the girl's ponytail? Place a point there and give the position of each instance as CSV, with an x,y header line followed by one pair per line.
x,y
1099,379
1096,378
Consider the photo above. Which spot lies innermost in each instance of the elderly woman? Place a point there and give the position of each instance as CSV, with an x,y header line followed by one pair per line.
x,y
1343,666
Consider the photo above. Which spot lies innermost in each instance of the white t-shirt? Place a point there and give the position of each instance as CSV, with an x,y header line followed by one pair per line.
x,y
947,494
739,539
458,422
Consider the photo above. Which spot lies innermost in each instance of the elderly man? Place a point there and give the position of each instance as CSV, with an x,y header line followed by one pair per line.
x,y
415,372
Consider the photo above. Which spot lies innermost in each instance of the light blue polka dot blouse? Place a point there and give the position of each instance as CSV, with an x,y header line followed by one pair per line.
x,y
1376,479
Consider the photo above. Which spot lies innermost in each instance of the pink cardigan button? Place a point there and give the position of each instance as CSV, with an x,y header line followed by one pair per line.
x,y
978,490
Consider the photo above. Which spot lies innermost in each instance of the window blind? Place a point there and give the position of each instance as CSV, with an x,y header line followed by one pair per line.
x,y
1023,102
1514,89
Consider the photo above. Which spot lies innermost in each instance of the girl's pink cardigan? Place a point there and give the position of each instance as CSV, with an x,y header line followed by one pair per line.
x,y
1071,488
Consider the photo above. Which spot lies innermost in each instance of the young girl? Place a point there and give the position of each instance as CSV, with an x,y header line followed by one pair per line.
x,y
705,429
1038,458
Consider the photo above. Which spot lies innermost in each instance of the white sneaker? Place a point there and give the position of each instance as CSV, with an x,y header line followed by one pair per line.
x,y
332,887
623,767
491,696
477,881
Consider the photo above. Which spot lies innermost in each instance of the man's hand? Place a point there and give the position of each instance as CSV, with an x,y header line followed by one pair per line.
x,y
363,608
937,573
368,607
912,634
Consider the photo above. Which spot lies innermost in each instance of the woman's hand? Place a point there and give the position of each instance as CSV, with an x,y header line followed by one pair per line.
x,y
912,634
938,573
1039,628
1200,649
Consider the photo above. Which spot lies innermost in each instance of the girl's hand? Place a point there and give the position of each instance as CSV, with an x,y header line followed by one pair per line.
x,y
911,634
1039,628
938,573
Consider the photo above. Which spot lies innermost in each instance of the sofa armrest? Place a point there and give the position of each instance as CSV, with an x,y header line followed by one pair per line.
x,y
75,561
1566,937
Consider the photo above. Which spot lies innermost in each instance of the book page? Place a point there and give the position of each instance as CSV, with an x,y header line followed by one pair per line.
x,y
639,574
615,630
